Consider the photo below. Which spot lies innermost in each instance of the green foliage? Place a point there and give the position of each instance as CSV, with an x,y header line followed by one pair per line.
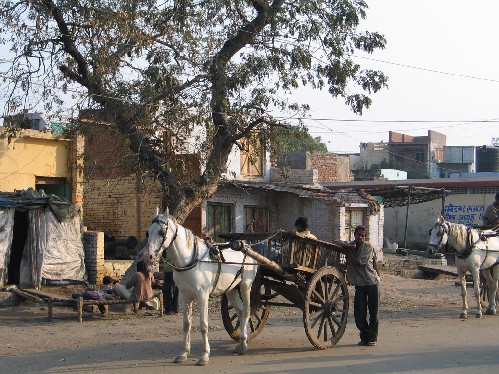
x,y
295,139
384,165
212,70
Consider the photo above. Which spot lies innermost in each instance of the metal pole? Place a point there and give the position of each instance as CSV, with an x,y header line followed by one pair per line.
x,y
443,203
407,216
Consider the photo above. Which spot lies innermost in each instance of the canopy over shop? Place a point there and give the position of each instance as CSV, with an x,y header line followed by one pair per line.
x,y
407,195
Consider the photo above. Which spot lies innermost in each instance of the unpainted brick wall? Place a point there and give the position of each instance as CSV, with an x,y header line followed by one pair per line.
x,y
331,167
96,266
396,137
93,244
296,176
123,207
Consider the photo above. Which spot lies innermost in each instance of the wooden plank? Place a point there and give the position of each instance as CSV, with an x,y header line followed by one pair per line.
x,y
439,269
42,294
26,295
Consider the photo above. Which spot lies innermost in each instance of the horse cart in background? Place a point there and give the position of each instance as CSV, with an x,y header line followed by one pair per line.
x,y
294,272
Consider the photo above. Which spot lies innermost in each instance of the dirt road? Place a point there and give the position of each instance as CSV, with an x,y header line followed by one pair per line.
x,y
419,332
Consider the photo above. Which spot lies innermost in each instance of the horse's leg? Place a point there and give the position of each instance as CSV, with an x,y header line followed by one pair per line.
x,y
462,281
487,277
187,310
475,273
245,290
493,285
203,326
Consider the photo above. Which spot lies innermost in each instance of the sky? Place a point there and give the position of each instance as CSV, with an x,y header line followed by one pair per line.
x,y
442,62
442,59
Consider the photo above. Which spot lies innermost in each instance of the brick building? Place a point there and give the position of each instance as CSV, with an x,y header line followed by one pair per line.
x,y
417,155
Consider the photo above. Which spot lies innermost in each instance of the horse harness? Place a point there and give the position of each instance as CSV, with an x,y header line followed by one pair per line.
x,y
215,254
470,245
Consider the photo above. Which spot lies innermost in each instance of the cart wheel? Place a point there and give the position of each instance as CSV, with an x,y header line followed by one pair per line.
x,y
326,308
257,319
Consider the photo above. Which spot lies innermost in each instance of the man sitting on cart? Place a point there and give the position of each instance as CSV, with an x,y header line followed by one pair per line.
x,y
302,228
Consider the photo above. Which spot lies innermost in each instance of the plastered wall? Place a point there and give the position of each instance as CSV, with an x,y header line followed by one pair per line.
x,y
459,208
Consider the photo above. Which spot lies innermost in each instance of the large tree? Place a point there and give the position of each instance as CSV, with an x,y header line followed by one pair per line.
x,y
172,67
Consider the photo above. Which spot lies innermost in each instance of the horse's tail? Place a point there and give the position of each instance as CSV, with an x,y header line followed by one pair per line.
x,y
255,296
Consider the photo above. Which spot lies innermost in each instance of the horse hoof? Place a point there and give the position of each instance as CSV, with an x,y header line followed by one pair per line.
x,y
463,315
491,312
180,359
241,350
478,315
202,361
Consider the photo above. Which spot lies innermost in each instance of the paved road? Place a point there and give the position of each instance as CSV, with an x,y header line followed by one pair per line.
x,y
425,341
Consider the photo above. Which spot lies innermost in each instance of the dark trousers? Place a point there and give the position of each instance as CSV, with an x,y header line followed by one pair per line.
x,y
170,293
367,298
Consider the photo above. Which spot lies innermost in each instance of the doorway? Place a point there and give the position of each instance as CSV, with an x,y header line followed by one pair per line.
x,y
20,233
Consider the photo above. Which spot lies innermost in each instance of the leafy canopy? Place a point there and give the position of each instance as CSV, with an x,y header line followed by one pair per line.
x,y
212,71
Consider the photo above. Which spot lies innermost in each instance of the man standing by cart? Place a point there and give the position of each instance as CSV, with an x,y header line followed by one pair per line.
x,y
362,272
491,215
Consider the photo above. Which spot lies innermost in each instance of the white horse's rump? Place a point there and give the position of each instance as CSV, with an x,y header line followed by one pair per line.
x,y
198,278
474,253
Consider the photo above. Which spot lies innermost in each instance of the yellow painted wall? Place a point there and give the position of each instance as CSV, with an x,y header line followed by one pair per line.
x,y
32,153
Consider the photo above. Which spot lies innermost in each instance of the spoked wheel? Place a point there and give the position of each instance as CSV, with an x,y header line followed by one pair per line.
x,y
326,308
257,319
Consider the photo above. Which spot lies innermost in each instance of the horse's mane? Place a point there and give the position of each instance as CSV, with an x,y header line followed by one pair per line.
x,y
189,235
459,230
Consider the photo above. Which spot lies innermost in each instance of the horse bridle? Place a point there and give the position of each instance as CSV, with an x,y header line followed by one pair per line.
x,y
195,256
165,230
445,228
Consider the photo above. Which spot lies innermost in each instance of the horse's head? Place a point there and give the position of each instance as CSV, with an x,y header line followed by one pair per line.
x,y
160,234
439,234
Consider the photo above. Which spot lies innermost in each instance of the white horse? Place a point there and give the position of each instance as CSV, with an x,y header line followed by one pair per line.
x,y
199,278
474,253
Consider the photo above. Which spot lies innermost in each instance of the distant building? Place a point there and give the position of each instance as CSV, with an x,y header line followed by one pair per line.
x,y
379,174
308,168
457,160
371,156
36,121
418,155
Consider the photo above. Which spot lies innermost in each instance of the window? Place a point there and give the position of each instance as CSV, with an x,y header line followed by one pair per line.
x,y
420,157
252,157
353,219
256,219
53,185
219,219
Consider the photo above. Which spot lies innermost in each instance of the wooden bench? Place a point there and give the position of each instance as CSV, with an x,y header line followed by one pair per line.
x,y
79,303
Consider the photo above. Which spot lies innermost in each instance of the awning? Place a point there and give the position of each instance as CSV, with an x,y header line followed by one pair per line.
x,y
402,195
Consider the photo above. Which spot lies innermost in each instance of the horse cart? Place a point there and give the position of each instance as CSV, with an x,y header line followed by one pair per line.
x,y
296,272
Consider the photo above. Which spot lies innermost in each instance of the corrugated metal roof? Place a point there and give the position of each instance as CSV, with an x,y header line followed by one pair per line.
x,y
402,195
339,197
